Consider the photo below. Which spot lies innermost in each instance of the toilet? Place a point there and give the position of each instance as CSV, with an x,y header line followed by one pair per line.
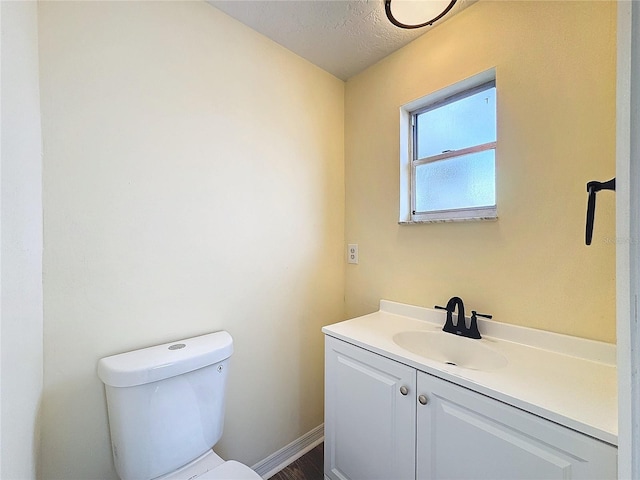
x,y
166,410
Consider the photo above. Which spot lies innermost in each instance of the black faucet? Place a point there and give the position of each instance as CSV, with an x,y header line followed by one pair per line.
x,y
460,327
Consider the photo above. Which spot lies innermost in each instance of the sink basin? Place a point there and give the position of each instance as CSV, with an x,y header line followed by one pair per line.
x,y
451,349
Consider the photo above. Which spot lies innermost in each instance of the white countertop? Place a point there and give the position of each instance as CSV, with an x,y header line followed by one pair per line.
x,y
568,380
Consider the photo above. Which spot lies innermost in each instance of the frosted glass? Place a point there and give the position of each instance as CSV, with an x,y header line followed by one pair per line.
x,y
464,123
462,182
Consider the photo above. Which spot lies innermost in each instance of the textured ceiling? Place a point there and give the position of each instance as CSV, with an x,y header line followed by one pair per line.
x,y
342,37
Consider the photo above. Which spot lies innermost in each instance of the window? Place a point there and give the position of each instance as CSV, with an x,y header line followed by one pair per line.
x,y
448,164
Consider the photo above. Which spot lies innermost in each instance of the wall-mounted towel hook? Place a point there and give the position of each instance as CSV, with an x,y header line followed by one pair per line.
x,y
594,187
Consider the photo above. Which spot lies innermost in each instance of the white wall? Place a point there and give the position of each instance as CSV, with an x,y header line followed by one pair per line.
x,y
21,245
627,225
193,181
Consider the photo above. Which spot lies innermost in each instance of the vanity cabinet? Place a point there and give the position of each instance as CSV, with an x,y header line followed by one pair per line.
x,y
385,420
369,415
464,434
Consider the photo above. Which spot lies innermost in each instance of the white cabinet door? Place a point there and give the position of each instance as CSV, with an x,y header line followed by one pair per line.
x,y
369,422
465,435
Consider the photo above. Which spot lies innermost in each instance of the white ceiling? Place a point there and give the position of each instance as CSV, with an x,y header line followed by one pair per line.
x,y
342,37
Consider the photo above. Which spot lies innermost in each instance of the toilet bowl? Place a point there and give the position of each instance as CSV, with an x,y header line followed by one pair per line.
x,y
166,410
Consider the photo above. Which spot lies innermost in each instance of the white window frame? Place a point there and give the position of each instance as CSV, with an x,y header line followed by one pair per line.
x,y
408,163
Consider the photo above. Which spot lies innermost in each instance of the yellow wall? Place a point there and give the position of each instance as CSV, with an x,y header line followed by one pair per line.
x,y
194,177
193,181
555,68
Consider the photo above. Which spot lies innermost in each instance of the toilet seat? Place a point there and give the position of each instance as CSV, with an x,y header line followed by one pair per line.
x,y
210,466
230,470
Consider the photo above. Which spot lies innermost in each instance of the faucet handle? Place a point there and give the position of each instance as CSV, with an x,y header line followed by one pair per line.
x,y
439,307
473,331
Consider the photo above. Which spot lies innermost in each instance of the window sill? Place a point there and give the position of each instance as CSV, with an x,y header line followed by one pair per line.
x,y
482,214
448,220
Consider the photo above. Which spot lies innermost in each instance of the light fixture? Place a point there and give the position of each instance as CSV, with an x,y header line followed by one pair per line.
x,y
408,13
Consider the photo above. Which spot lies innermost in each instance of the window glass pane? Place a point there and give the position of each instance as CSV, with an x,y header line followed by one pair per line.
x,y
464,123
461,182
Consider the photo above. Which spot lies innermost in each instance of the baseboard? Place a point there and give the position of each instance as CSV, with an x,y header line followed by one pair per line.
x,y
290,453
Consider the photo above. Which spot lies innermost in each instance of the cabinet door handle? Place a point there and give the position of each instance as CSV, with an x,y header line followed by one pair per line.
x,y
404,390
423,399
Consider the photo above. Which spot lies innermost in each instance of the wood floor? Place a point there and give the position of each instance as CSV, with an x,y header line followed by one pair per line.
x,y
308,467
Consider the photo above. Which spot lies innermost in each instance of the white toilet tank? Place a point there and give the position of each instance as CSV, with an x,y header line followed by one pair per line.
x,y
166,403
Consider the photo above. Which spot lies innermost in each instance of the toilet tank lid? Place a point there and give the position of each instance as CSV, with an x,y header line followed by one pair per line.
x,y
163,361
